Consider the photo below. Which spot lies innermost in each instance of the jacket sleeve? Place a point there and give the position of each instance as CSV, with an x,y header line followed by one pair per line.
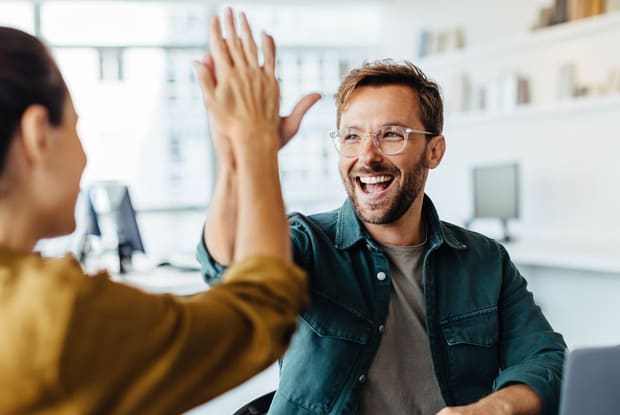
x,y
212,271
158,354
531,352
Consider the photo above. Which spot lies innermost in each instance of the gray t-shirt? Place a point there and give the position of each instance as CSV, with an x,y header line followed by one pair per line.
x,y
401,378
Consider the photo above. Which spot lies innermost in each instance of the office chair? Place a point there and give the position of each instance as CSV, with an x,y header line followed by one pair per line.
x,y
258,406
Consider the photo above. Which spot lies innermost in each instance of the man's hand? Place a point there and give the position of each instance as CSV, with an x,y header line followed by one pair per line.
x,y
517,399
478,408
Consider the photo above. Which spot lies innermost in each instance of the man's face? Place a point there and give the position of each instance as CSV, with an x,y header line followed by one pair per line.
x,y
382,188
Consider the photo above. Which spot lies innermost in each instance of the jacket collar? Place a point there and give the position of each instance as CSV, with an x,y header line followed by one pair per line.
x,y
349,229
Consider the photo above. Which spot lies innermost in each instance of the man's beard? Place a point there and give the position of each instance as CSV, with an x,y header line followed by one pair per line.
x,y
412,185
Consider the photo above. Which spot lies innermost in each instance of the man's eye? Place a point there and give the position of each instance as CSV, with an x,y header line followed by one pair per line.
x,y
351,138
392,135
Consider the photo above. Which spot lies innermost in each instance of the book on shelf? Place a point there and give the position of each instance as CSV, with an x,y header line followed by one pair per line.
x,y
431,43
567,81
612,5
459,97
560,12
579,9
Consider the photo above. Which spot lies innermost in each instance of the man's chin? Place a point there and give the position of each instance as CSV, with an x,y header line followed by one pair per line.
x,y
371,214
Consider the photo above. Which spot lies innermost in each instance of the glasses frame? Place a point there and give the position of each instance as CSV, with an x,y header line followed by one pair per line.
x,y
335,136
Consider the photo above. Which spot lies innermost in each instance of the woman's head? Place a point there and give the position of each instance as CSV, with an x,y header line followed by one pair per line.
x,y
28,75
41,157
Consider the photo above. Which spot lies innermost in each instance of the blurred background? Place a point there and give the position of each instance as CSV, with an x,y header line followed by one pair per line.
x,y
532,96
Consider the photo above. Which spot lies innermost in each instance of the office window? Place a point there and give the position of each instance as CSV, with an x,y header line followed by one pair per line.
x,y
109,23
128,66
17,14
139,99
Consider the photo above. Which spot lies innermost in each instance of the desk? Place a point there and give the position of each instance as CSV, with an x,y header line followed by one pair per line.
x,y
165,279
581,255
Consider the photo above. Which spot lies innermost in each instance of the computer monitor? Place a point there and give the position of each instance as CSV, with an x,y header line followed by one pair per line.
x,y
127,230
88,223
496,193
111,204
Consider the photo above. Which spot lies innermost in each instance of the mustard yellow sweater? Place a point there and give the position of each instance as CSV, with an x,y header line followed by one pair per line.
x,y
77,344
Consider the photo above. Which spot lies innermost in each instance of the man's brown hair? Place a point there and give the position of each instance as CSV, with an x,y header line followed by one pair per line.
x,y
388,72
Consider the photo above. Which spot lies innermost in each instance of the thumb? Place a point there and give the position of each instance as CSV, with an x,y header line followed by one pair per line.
x,y
289,125
205,77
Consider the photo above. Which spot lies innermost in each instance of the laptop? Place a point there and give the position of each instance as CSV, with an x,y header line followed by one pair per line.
x,y
591,383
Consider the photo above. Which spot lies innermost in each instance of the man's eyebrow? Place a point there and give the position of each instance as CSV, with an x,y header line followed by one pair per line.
x,y
385,124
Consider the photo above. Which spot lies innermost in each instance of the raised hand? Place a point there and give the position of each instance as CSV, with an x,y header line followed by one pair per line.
x,y
244,50
242,97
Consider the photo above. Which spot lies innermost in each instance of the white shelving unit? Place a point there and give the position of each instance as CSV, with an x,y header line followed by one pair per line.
x,y
544,37
538,56
567,148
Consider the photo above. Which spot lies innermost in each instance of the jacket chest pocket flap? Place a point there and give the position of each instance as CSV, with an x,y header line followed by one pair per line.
x,y
328,319
479,328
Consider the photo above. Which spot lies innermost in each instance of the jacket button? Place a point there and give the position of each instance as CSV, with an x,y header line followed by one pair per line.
x,y
381,276
362,379
381,328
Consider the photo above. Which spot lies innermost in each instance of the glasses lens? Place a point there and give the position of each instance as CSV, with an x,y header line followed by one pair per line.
x,y
391,139
347,141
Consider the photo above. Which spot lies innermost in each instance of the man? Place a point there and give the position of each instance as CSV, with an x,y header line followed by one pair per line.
x,y
409,315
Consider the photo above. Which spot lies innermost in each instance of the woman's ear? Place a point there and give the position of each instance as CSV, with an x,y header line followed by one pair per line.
x,y
435,149
34,133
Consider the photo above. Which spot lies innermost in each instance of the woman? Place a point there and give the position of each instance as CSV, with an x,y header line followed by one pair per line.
x,y
86,345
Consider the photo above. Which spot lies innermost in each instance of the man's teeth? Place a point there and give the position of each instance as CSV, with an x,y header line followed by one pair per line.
x,y
375,179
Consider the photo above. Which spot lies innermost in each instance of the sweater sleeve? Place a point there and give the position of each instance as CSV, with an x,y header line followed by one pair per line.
x,y
129,352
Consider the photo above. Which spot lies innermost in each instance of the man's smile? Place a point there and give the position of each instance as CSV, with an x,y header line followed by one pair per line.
x,y
374,186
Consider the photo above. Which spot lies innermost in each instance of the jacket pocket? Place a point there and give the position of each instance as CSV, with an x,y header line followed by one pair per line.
x,y
473,354
322,355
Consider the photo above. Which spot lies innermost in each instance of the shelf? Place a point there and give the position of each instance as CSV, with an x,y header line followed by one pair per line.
x,y
534,39
598,257
575,107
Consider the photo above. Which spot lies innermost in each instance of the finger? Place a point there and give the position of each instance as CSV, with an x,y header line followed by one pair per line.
x,y
206,79
209,65
229,24
232,39
217,45
269,54
290,124
249,45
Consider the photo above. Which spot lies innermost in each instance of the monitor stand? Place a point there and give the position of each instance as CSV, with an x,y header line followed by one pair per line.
x,y
506,237
125,254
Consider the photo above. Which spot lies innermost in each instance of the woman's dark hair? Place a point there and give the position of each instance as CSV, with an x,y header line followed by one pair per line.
x,y
28,75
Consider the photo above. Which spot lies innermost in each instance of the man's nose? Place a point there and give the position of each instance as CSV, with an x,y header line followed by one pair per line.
x,y
369,152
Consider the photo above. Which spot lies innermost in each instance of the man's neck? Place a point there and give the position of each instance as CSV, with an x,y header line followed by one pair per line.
x,y
408,230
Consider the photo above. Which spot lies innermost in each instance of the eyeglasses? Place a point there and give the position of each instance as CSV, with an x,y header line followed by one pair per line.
x,y
388,140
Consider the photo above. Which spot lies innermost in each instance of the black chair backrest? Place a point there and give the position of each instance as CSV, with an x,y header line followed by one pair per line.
x,y
258,406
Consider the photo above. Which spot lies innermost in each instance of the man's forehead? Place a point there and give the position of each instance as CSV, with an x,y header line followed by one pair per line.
x,y
379,106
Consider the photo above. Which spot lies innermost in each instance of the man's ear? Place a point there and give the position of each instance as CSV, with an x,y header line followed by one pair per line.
x,y
435,149
34,132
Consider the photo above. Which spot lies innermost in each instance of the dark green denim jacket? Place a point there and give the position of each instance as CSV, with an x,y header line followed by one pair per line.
x,y
484,329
